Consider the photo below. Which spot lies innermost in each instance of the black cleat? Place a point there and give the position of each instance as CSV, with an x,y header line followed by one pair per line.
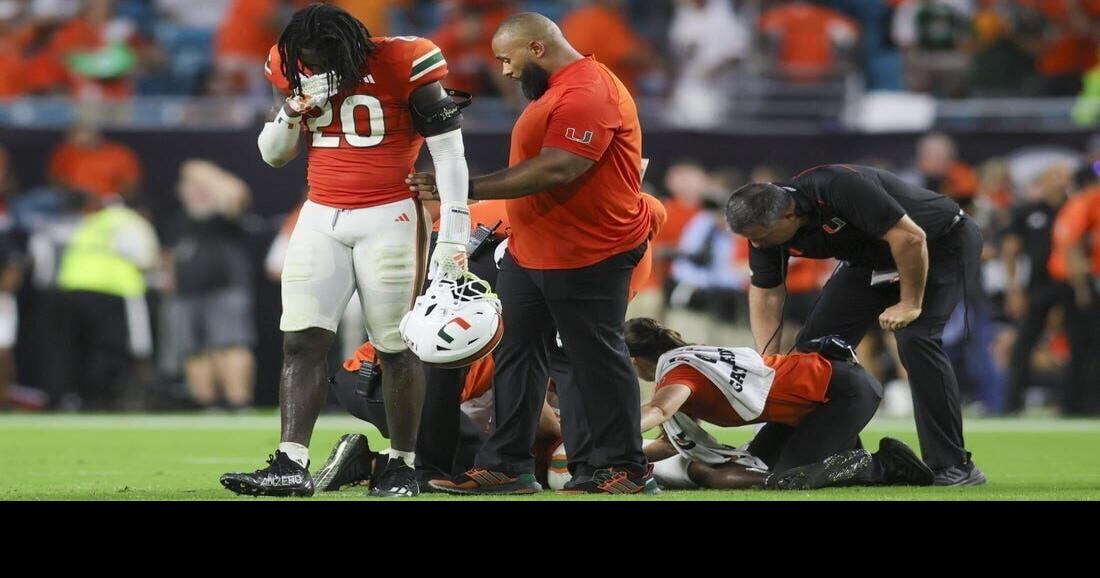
x,y
282,477
351,462
397,480
900,466
967,474
835,470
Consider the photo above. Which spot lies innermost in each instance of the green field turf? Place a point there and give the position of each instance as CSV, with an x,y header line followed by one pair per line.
x,y
179,457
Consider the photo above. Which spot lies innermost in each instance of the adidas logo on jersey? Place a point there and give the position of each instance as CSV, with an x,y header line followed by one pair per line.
x,y
404,218
368,79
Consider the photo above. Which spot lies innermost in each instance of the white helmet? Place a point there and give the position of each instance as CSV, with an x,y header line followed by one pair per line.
x,y
456,322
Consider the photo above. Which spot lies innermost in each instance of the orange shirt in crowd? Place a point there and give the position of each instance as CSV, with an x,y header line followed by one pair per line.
x,y
801,385
1078,218
250,28
13,63
106,169
679,215
806,35
587,112
469,49
78,35
605,33
479,377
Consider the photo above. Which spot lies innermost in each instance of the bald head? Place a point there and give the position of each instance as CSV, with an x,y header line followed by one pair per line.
x,y
531,48
528,26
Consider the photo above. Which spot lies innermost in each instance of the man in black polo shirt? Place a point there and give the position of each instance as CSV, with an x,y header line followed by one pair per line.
x,y
1031,233
907,255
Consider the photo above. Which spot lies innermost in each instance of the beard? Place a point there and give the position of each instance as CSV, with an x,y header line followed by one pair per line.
x,y
534,80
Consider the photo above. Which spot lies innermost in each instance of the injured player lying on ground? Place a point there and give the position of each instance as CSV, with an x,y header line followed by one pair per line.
x,y
813,405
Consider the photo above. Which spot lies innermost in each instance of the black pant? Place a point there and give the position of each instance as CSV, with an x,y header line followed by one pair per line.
x,y
90,349
1040,300
849,306
1082,382
834,427
447,440
587,306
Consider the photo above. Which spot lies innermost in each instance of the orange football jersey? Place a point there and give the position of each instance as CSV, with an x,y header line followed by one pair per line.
x,y
363,144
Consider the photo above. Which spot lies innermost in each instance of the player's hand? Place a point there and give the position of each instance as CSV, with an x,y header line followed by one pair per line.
x,y
316,90
424,185
448,259
898,316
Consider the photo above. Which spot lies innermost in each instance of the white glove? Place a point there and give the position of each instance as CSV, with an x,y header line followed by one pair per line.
x,y
448,259
316,90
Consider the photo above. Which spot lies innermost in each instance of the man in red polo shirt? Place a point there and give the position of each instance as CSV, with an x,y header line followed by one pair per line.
x,y
579,228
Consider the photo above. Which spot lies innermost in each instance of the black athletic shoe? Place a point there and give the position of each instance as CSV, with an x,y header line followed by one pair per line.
x,y
282,477
617,481
967,474
835,470
351,462
900,465
397,480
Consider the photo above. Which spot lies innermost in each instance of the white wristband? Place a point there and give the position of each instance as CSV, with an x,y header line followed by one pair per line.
x,y
454,223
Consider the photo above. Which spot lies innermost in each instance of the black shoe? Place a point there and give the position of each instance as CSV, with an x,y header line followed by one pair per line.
x,y
282,477
835,470
397,480
900,466
967,474
616,480
351,462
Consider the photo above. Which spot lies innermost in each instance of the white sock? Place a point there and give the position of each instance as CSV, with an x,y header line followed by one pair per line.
x,y
296,452
407,457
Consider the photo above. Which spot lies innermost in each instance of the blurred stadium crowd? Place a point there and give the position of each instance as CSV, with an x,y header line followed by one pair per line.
x,y
692,51
113,308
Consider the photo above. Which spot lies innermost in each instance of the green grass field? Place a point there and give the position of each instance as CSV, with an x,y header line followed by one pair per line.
x,y
179,457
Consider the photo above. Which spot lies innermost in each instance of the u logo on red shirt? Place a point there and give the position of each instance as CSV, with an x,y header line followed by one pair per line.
x,y
571,134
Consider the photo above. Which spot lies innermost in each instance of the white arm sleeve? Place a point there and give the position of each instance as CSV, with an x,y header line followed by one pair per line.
x,y
452,179
278,140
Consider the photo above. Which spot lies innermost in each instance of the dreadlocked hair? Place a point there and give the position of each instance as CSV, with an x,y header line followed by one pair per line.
x,y
646,338
342,42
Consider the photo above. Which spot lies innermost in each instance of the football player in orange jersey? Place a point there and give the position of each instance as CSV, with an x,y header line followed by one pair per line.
x,y
814,403
368,105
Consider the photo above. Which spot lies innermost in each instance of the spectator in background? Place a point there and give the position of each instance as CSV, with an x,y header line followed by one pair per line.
x,y
1007,38
710,274
185,32
1071,45
247,33
707,40
939,169
211,283
686,183
1030,299
95,55
89,163
101,322
11,277
934,36
465,36
16,34
1075,260
809,42
600,28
